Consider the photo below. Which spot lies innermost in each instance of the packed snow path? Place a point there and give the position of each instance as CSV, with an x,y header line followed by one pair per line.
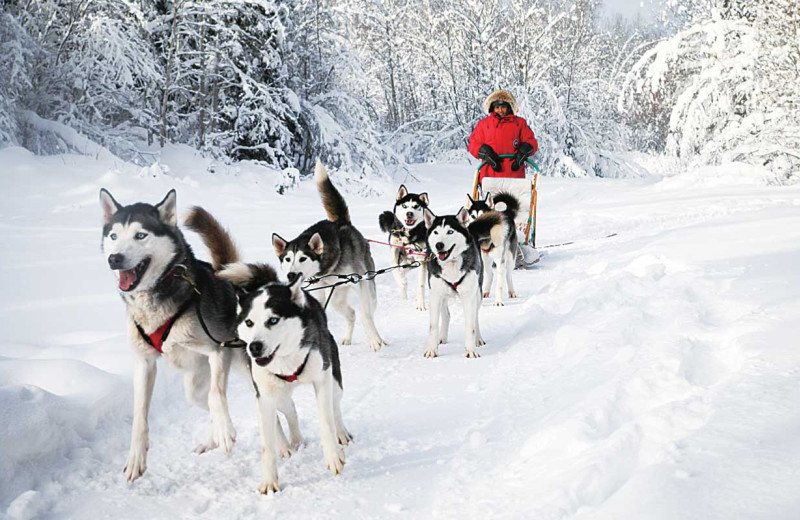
x,y
653,374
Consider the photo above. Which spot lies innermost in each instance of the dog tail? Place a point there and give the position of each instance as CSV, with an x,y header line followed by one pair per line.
x,y
215,237
332,200
488,226
248,276
510,201
386,221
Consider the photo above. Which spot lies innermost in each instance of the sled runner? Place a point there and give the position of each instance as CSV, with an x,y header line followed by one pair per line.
x,y
525,191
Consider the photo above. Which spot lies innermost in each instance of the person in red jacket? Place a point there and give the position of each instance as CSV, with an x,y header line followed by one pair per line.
x,y
502,133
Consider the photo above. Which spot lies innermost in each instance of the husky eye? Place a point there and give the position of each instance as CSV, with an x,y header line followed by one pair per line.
x,y
248,322
140,236
303,260
273,321
287,259
450,231
112,236
436,232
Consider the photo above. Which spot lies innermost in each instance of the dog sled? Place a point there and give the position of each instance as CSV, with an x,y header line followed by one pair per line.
x,y
525,191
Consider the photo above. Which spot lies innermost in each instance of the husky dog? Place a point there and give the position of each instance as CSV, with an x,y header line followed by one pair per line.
x,y
333,246
176,307
288,341
406,228
456,270
501,245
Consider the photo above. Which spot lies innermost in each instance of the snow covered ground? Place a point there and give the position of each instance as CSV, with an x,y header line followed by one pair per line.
x,y
654,374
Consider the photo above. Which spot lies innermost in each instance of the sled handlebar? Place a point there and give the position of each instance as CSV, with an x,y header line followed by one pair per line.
x,y
509,156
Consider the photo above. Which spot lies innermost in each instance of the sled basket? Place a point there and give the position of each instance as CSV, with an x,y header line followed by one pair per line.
x,y
523,189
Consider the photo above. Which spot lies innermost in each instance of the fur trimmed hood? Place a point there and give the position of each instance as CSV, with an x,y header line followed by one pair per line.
x,y
500,95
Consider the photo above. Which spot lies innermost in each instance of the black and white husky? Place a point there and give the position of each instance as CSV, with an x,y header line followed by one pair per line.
x,y
406,227
500,246
177,309
288,341
333,246
456,270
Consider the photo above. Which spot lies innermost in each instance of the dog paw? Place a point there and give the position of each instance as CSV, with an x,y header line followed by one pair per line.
x,y
136,464
421,306
499,303
431,352
443,340
512,294
344,437
346,341
479,342
376,344
472,354
334,459
223,434
269,485
485,294
205,447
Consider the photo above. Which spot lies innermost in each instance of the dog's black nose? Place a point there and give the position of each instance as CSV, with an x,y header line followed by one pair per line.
x,y
116,261
292,276
409,214
256,348
439,246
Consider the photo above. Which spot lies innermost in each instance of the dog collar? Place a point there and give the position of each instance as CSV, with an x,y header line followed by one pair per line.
x,y
292,378
158,337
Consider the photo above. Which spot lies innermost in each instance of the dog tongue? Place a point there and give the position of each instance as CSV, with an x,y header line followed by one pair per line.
x,y
127,279
442,256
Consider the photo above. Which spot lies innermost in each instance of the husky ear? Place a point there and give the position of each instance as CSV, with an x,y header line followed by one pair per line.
x,y
463,216
470,202
424,198
278,244
316,244
490,200
296,290
402,192
166,209
109,205
429,216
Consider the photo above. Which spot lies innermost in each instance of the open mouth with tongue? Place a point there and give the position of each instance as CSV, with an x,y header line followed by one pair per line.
x,y
410,222
129,278
444,255
264,361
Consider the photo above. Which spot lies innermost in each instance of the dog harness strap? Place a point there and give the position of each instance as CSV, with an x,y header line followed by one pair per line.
x,y
292,378
158,337
455,285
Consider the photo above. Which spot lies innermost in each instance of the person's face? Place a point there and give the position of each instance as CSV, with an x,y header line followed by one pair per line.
x,y
501,110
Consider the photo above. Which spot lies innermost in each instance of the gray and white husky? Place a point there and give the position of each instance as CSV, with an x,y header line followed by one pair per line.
x,y
177,309
333,246
499,246
406,227
288,340
455,271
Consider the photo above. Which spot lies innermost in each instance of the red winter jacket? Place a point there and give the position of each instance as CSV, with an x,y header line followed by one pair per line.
x,y
504,136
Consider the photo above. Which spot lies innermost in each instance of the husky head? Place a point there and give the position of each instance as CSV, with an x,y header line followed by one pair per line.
x,y
409,208
447,236
140,241
299,258
271,320
478,207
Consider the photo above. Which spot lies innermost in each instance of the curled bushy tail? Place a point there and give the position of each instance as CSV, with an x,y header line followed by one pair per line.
x,y
215,237
387,221
482,227
332,200
248,276
510,201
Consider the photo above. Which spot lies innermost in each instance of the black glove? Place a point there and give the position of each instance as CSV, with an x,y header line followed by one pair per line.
x,y
525,150
492,159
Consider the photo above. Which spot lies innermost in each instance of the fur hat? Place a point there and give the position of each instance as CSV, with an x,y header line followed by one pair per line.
x,y
500,95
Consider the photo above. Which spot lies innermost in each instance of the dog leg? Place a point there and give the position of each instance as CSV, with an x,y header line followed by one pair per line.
x,y
478,338
423,277
144,379
470,302
435,306
444,325
342,306
509,270
367,297
402,281
219,360
501,278
488,274
341,431
334,454
268,418
286,406
195,388
284,450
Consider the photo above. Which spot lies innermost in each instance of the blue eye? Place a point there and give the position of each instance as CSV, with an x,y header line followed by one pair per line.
x,y
140,236
112,236
272,321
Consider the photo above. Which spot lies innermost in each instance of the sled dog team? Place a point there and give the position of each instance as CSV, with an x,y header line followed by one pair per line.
x,y
190,311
